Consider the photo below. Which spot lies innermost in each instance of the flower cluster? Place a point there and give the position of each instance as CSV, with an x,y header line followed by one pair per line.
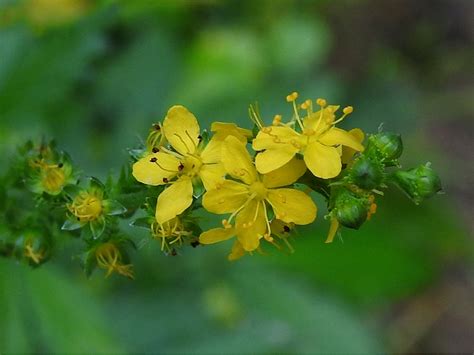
x,y
259,184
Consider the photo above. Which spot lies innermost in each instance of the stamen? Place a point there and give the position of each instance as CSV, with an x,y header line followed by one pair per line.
x,y
347,111
276,120
292,97
321,102
255,116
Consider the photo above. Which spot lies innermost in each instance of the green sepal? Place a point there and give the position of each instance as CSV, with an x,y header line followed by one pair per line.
x,y
113,208
88,262
143,222
71,224
97,227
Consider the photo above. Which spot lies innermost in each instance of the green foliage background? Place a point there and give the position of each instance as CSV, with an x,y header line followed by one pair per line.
x,y
99,78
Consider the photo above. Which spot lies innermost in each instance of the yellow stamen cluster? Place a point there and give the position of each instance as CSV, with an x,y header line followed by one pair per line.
x,y
86,206
108,257
170,232
29,252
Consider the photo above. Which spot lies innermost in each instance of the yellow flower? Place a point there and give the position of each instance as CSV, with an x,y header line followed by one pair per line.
x,y
249,200
317,139
189,163
222,130
109,257
348,152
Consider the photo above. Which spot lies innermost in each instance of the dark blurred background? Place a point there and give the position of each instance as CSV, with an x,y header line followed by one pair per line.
x,y
96,74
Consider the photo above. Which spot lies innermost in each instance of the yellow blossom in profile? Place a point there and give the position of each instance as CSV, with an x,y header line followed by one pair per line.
x,y
188,163
170,232
347,153
222,130
315,136
109,257
249,197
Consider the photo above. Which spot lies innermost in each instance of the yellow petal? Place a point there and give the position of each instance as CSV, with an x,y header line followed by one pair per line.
x,y
250,225
348,153
337,136
237,161
318,123
237,251
211,175
292,206
332,230
181,129
285,175
274,138
212,151
227,198
223,130
216,235
272,159
174,200
152,173
323,161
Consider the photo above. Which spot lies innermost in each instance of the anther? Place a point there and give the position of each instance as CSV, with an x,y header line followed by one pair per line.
x,y
276,120
155,150
347,110
292,97
268,238
180,166
286,229
153,160
305,105
200,138
156,127
165,180
321,102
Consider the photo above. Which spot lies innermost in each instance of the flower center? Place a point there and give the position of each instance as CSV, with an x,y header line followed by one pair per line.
x,y
86,207
259,189
191,165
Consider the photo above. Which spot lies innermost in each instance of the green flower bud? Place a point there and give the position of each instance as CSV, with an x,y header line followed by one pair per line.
x,y
385,146
366,173
349,209
418,183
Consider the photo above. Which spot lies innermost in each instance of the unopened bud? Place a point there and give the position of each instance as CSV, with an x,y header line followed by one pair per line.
x,y
386,146
366,172
350,210
419,183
